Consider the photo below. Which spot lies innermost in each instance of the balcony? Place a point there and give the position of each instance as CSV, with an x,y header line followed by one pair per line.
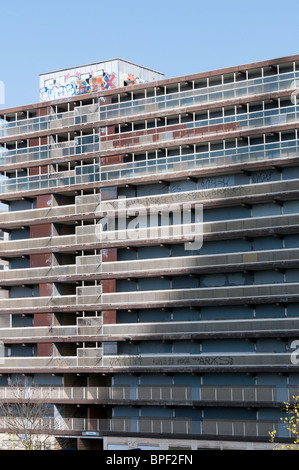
x,y
204,395
198,97
84,205
172,166
90,206
202,329
198,297
91,266
90,298
86,329
221,361
92,236
48,364
194,163
130,141
180,133
85,267
154,427
85,296
92,329
91,361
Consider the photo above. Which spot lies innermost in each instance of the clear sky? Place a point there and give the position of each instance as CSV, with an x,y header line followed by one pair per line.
x,y
171,36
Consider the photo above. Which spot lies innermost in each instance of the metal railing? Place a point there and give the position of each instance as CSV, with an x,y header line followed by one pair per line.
x,y
95,143
173,426
93,358
99,301
197,97
92,207
148,330
93,265
93,235
148,393
238,428
224,361
91,174
262,119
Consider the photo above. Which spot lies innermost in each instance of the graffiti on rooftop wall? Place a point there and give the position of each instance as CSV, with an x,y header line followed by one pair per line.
x,y
80,84
127,79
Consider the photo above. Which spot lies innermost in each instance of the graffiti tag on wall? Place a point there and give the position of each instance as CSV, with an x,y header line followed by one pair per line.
x,y
86,83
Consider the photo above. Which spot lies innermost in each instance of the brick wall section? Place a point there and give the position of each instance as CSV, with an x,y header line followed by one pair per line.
x,y
38,231
109,254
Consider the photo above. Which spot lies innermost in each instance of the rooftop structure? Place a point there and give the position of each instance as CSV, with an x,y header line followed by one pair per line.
x,y
91,78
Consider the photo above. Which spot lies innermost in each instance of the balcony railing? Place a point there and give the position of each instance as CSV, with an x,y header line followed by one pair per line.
x,y
238,428
158,298
85,204
219,327
93,358
94,174
92,207
191,162
92,266
197,97
63,363
93,236
104,143
223,361
155,426
84,296
155,393
199,129
91,327
85,266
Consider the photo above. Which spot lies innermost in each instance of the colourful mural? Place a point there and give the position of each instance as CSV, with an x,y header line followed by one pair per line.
x,y
129,79
80,84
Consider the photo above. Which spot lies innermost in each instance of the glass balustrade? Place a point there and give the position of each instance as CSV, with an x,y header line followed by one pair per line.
x,y
94,143
201,96
94,173
199,129
79,146
202,160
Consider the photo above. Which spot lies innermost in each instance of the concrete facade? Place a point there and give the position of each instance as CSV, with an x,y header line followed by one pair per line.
x,y
152,241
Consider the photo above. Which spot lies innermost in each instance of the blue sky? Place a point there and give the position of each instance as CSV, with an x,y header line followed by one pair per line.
x,y
174,37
